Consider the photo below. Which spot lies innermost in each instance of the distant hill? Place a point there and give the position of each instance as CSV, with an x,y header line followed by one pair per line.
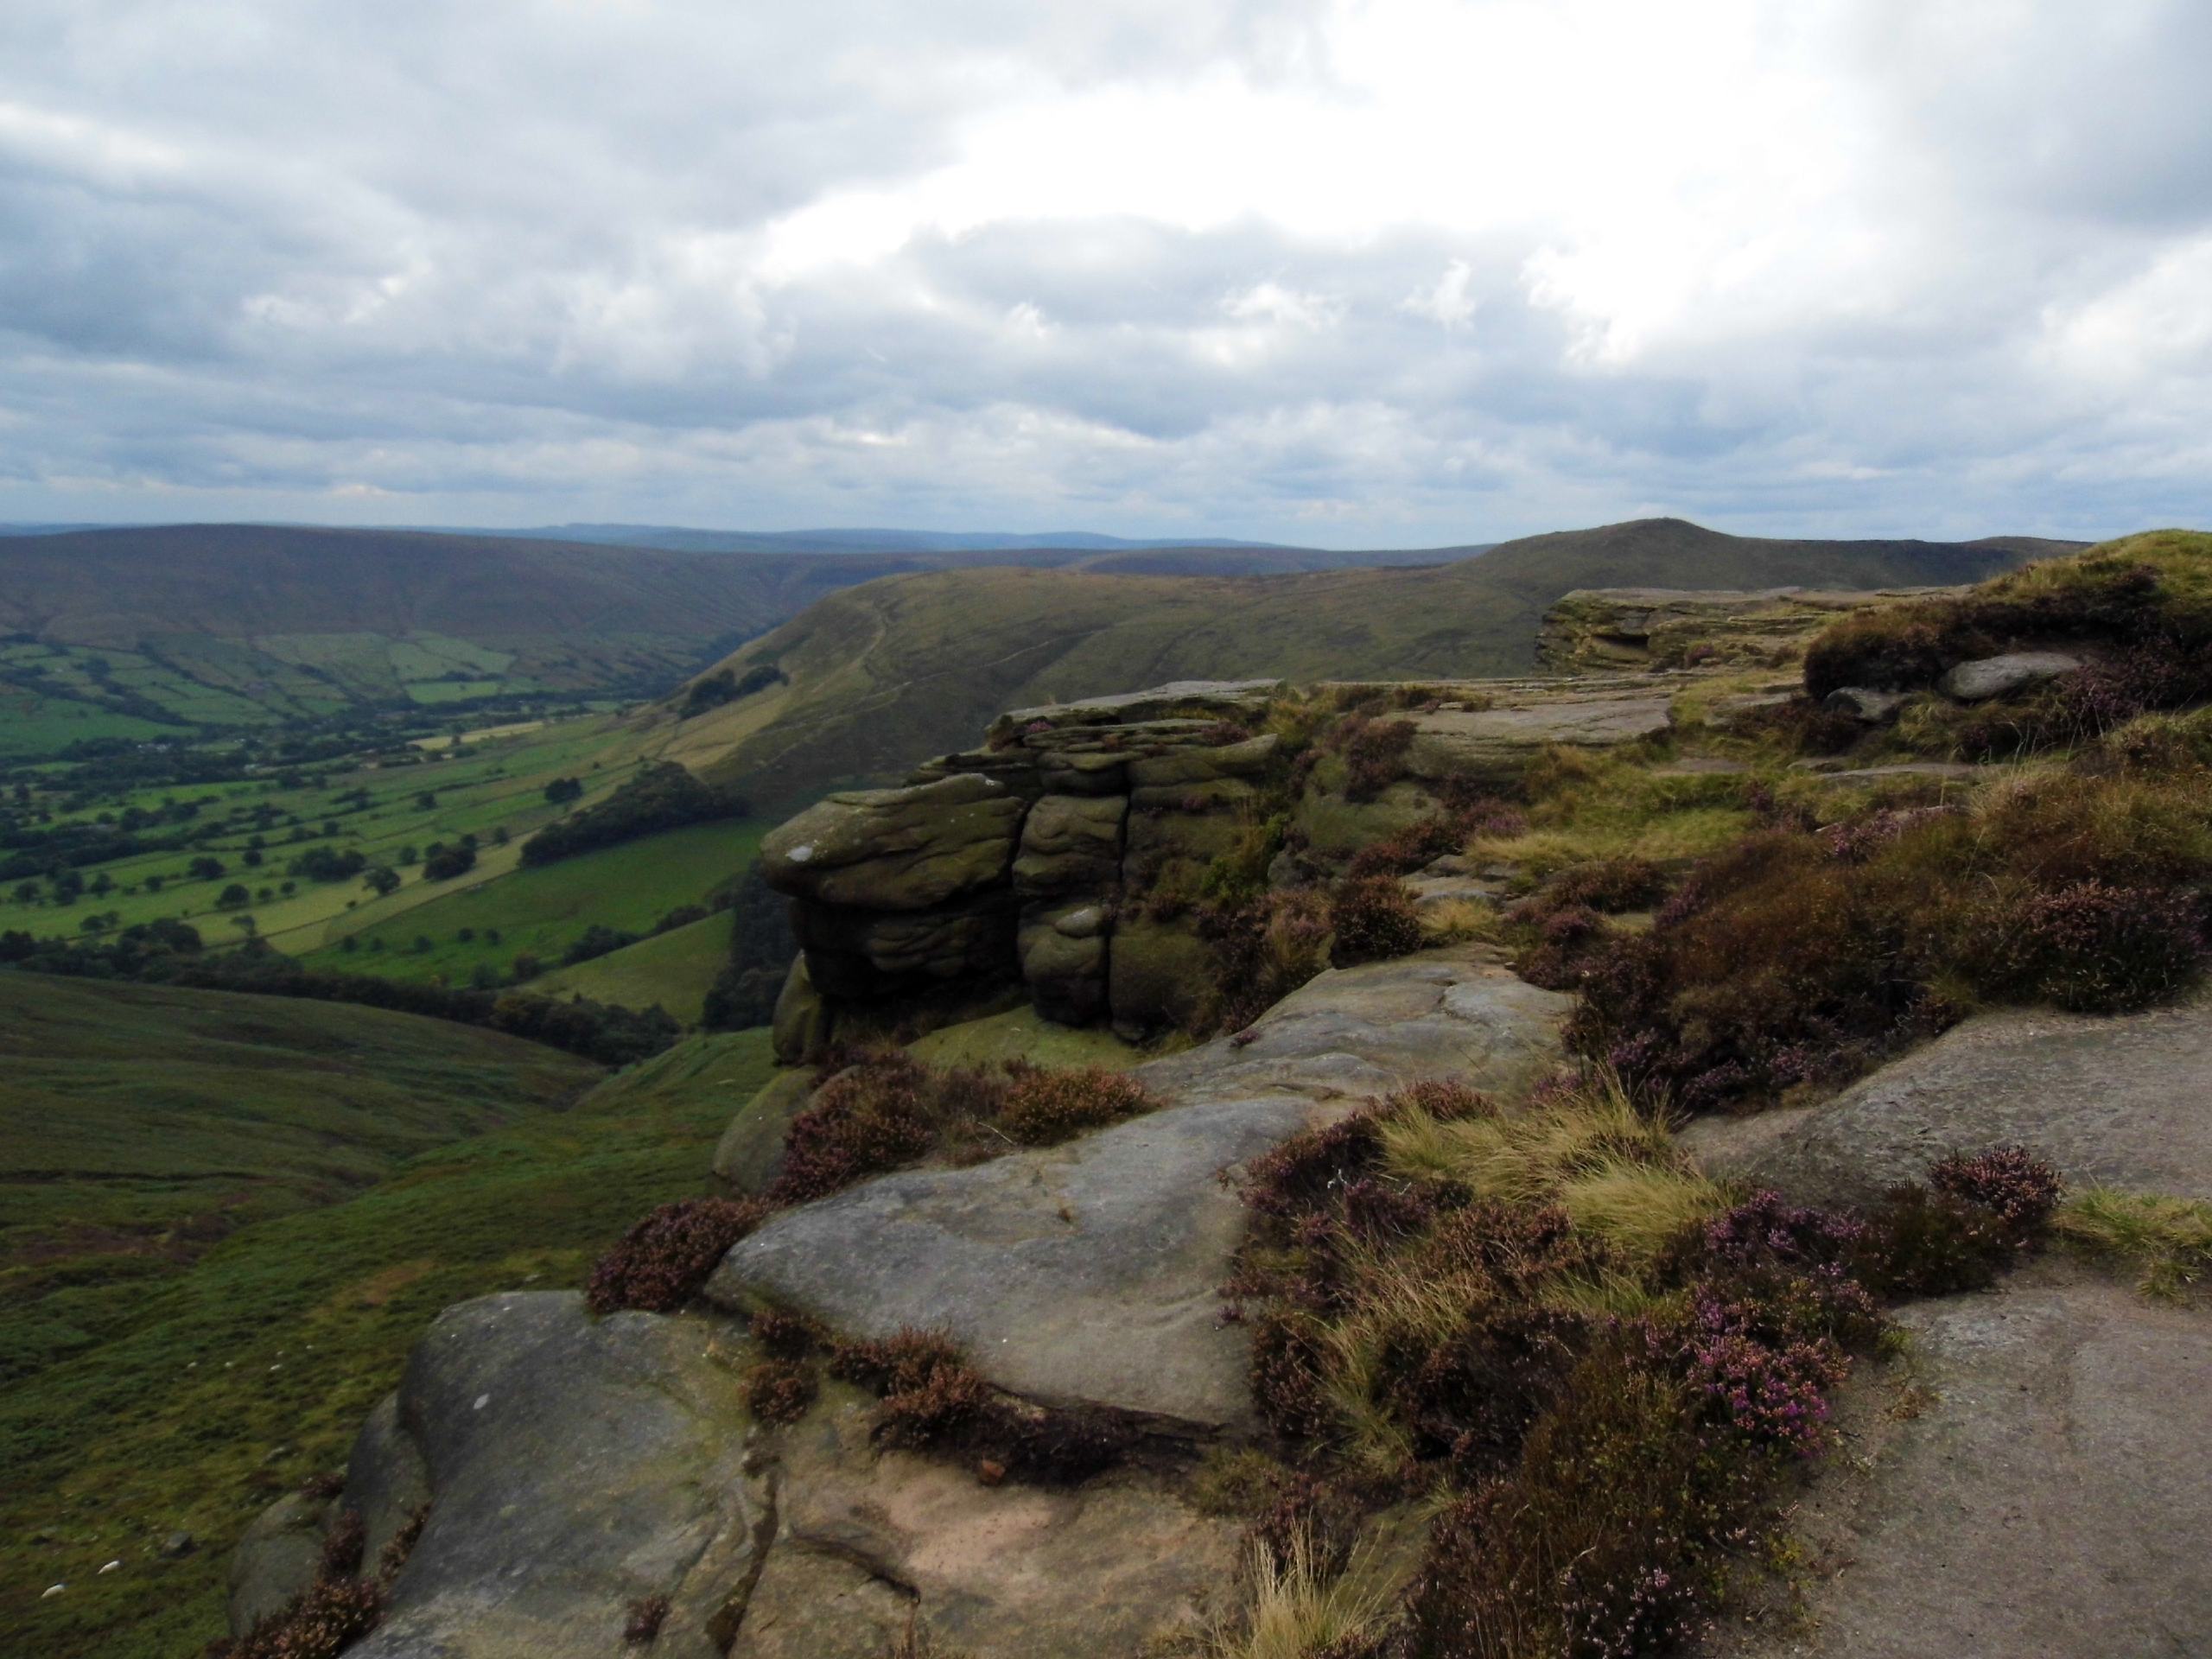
x,y
878,674
133,632
1062,549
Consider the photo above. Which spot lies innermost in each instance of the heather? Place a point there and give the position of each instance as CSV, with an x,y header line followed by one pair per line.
x,y
1801,956
1594,1367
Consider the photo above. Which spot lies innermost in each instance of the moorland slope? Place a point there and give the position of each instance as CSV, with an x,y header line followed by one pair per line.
x,y
878,674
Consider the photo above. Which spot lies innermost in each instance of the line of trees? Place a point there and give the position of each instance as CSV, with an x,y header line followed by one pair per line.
x,y
171,953
662,796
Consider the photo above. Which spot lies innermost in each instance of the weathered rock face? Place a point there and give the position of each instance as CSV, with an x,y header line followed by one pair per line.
x,y
2049,1494
1026,860
896,849
573,1465
1091,1272
1598,629
1010,862
874,1551
2123,1101
277,1558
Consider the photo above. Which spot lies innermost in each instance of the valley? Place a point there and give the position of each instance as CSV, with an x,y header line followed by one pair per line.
x,y
230,1214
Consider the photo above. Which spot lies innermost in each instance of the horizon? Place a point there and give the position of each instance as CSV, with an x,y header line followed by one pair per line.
x,y
1005,540
1301,273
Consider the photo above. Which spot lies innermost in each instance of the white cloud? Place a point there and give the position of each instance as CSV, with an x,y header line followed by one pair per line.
x,y
1816,263
1448,301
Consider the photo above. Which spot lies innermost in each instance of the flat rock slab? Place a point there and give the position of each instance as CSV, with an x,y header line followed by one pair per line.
x,y
2054,1500
575,1465
1491,743
1091,1272
1222,698
2119,1101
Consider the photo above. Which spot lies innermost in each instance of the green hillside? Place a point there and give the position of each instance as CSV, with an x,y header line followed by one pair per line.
x,y
879,674
673,969
229,1217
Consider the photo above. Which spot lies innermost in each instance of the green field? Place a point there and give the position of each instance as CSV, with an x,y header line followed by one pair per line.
x,y
212,1381
542,910
484,788
673,969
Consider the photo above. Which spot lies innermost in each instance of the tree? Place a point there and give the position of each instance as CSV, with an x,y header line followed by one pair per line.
x,y
232,896
156,883
445,862
204,869
381,879
562,790
246,925
102,884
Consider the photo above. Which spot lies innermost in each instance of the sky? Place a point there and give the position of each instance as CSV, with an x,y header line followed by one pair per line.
x,y
1391,274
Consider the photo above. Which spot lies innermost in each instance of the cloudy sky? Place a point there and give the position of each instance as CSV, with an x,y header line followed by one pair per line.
x,y
1342,274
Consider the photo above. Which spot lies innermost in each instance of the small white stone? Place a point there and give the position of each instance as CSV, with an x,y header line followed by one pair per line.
x,y
111,1566
482,1401
52,1591
799,855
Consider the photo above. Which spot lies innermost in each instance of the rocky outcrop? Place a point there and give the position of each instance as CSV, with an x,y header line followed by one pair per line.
x,y
1602,629
1090,1272
575,1465
1023,861
2040,1483
276,1559
2120,1101
1009,862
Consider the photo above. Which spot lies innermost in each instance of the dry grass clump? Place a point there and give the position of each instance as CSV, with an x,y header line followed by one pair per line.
x,y
1608,1165
1301,1609
660,1264
2167,1240
1797,958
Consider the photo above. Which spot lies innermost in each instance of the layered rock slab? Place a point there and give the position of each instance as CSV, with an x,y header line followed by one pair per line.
x,y
2053,1497
2113,1100
1090,1271
1493,747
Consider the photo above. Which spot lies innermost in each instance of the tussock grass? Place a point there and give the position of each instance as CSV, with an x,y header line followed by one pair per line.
x,y
1585,806
1301,1611
2167,1239
1453,921
1594,1152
